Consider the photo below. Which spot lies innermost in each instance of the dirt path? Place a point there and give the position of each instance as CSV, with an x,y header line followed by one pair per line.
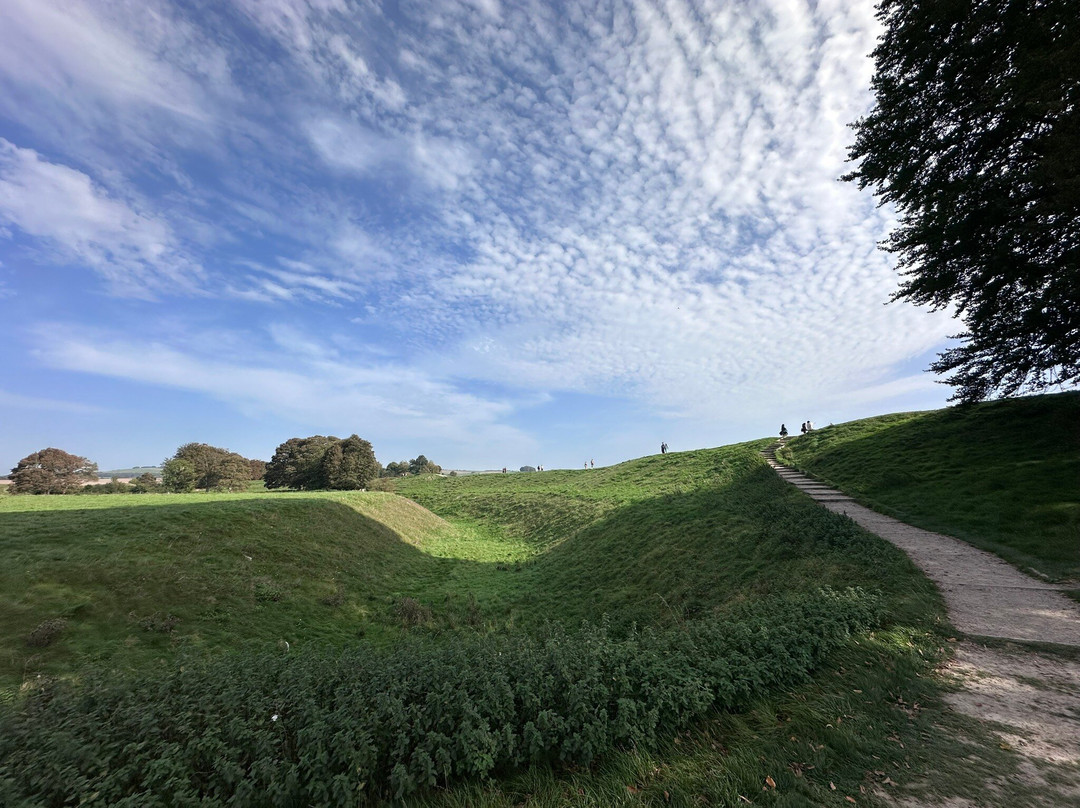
x,y
1029,700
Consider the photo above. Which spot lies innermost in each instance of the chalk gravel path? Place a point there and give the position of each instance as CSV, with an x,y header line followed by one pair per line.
x,y
1030,700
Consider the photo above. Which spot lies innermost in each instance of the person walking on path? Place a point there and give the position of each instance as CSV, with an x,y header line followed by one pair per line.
x,y
783,431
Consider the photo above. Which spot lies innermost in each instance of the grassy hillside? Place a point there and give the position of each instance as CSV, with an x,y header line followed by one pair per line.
x,y
653,540
708,549
136,578
1002,475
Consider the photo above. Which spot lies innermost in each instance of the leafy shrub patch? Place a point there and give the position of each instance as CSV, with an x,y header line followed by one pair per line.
x,y
412,613
46,632
342,728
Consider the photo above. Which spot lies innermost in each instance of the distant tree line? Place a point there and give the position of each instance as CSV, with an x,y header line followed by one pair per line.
x,y
404,468
304,464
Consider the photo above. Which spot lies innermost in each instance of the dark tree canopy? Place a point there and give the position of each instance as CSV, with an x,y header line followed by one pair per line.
x,y
51,471
198,465
145,483
418,465
320,462
178,476
975,138
421,465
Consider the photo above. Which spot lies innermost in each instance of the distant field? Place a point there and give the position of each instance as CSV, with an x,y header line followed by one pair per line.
x,y
1003,475
135,471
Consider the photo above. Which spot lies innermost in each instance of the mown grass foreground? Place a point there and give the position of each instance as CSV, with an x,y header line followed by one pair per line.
x,y
710,589
1002,475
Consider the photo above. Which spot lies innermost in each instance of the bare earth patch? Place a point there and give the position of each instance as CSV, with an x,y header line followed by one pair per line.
x,y
1029,701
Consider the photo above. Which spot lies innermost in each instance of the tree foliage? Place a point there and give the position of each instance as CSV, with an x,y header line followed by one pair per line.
x,y
198,465
974,138
321,462
145,483
418,465
178,476
51,471
396,469
421,465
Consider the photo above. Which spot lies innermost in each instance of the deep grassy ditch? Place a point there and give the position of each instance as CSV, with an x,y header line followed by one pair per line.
x,y
709,592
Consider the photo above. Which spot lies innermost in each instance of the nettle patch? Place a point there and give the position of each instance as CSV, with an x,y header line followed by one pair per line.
x,y
345,727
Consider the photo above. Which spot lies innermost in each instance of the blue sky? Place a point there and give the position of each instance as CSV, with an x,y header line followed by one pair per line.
x,y
493,233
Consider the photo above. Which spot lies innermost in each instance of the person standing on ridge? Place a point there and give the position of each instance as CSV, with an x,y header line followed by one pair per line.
x,y
783,431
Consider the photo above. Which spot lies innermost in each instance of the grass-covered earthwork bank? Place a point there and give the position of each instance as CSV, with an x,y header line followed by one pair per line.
x,y
682,629
1002,475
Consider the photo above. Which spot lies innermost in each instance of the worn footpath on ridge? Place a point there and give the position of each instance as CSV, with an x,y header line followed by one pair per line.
x,y
985,596
1029,699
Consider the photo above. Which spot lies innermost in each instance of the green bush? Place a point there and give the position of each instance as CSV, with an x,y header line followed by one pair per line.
x,y
343,728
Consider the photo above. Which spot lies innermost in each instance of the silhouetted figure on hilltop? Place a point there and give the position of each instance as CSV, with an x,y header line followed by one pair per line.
x,y
783,431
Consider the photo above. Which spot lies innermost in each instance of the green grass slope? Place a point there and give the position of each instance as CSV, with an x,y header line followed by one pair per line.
x,y
675,543
655,540
136,578
1002,475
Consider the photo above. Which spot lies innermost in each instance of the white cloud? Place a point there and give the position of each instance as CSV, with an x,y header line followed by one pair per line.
x,y
298,378
659,214
358,149
136,253
54,46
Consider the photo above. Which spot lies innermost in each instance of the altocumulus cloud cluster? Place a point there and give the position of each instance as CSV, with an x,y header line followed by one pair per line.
x,y
473,228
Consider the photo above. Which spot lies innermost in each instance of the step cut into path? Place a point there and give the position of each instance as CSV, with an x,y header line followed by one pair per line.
x,y
984,595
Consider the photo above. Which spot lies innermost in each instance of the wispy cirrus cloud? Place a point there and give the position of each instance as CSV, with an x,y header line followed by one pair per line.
x,y
288,373
136,253
11,401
